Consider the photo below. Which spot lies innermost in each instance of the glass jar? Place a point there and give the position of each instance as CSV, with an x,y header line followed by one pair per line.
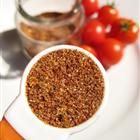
x,y
44,23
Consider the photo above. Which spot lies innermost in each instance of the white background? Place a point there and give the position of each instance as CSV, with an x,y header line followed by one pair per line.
x,y
128,129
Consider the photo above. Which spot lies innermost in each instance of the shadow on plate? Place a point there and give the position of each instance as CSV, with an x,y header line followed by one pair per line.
x,y
12,58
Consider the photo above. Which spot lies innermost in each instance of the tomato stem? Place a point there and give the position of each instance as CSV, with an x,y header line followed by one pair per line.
x,y
124,26
111,4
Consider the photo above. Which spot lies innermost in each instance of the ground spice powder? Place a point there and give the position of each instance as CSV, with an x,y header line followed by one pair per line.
x,y
48,33
65,88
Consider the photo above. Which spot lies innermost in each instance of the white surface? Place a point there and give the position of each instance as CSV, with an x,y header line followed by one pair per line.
x,y
128,130
9,91
7,11
121,127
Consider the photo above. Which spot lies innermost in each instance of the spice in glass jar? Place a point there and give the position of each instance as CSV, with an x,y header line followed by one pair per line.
x,y
40,29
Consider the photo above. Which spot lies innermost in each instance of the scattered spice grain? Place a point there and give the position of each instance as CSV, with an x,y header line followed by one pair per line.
x,y
65,88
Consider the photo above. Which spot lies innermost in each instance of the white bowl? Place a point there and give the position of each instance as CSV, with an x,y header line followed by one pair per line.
x,y
54,132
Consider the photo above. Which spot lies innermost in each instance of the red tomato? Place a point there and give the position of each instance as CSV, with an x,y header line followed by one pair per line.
x,y
124,30
107,14
110,51
93,32
90,6
90,49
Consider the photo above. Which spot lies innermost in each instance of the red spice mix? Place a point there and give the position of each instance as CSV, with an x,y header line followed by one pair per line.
x,y
65,88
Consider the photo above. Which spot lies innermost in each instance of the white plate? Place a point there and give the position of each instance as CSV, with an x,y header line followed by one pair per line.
x,y
124,84
123,93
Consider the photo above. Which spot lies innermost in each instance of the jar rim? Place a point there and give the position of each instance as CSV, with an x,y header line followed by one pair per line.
x,y
36,20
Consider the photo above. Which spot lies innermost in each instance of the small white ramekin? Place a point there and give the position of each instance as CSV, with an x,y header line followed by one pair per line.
x,y
54,132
